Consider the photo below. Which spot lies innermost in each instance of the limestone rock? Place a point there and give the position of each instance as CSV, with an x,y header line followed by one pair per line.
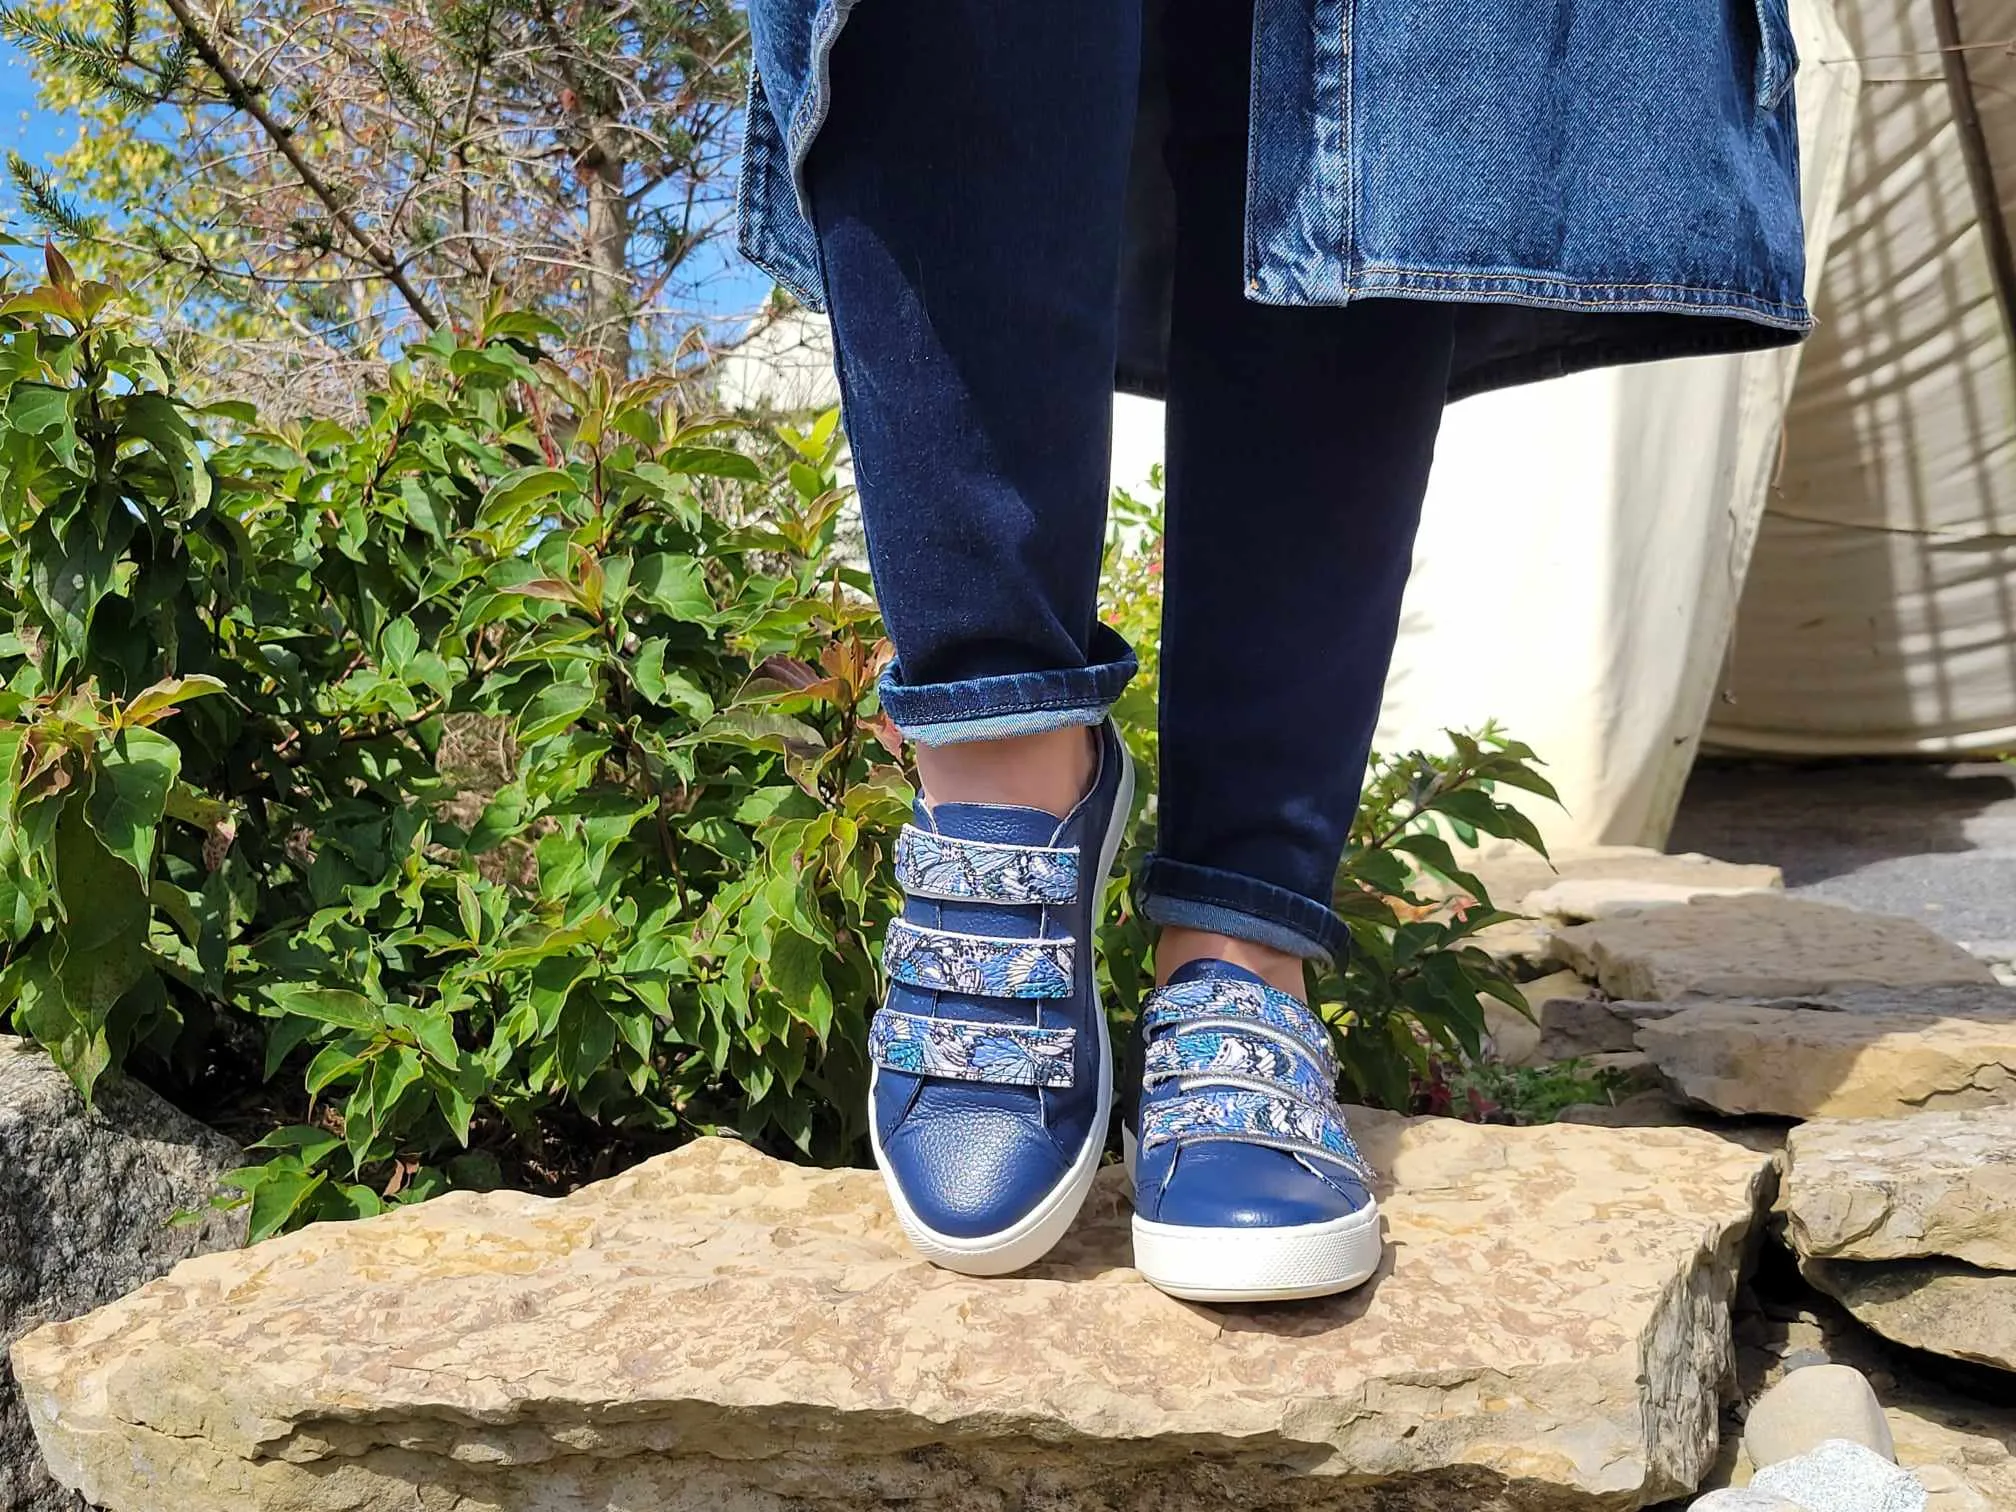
x,y
1581,899
1513,874
85,1203
715,1330
1814,1405
1963,1454
1937,1305
1519,945
1743,1499
1658,1109
1760,946
1572,1026
1860,1053
1840,1476
1515,1038
1900,1189
1962,1451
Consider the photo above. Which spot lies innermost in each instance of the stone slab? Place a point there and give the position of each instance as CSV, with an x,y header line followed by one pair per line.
x,y
1900,1189
1858,1053
1760,946
1513,874
1940,1306
1964,1454
86,1199
714,1330
1579,900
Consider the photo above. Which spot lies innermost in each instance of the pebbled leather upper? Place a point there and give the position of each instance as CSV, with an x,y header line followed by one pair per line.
x,y
974,1157
1211,1166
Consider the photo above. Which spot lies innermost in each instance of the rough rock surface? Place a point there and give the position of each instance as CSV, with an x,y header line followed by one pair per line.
x,y
1760,946
1963,1451
1964,1455
715,1330
1580,899
85,1203
1743,1499
1860,1053
1811,1406
1940,1306
1840,1476
1903,1189
1513,874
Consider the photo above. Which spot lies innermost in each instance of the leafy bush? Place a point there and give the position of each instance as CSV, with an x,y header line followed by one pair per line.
x,y
495,790
233,654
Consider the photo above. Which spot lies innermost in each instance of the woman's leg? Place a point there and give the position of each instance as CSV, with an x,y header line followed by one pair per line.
x,y
967,196
967,199
1298,449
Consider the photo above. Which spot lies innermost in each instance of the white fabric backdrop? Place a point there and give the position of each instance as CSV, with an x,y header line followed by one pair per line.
x,y
1880,614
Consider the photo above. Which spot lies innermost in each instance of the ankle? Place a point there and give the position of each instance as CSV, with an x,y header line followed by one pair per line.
x,y
1177,948
1050,770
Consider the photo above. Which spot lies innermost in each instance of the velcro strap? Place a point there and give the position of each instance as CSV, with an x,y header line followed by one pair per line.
x,y
1015,1055
941,961
1251,1002
980,871
1211,1054
1275,1119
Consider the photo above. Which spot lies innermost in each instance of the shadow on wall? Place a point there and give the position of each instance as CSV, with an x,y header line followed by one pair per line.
x,y
1879,615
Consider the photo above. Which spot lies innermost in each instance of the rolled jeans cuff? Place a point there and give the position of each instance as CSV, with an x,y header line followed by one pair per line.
x,y
1180,895
1014,703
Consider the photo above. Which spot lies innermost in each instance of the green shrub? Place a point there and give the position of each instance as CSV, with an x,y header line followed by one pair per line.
x,y
233,654
495,790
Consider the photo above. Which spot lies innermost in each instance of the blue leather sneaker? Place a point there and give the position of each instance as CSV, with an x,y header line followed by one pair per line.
x,y
993,1074
1247,1187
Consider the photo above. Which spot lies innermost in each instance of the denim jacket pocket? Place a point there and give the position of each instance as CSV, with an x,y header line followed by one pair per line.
x,y
1777,54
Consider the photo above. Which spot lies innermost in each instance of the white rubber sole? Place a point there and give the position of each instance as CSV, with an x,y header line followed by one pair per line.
x,y
1015,1248
1257,1264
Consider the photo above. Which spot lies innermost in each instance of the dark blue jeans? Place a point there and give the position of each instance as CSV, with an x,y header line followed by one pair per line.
x,y
967,193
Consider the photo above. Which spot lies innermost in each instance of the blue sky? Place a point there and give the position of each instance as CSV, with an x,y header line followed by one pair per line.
x,y
39,134
24,128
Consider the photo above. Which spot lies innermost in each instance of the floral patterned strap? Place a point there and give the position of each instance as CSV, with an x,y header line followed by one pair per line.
x,y
980,871
1015,1055
941,961
1191,1003
1199,1055
1280,1120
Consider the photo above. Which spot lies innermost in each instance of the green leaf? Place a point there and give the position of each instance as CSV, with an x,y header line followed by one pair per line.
x,y
331,1064
711,461
762,730
672,688
554,708
101,951
130,782
674,585
278,1194
33,408
399,645
309,1143
332,1006
513,494
151,704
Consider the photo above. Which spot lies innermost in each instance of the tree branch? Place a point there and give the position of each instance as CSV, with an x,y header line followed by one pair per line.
x,y
246,99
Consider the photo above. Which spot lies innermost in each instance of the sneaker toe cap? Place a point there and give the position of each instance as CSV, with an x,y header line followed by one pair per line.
x,y
975,1172
1229,1185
